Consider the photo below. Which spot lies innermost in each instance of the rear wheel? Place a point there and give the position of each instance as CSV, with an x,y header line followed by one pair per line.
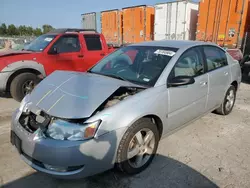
x,y
23,84
138,147
228,103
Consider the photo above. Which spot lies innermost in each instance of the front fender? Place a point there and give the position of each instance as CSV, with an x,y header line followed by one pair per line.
x,y
125,113
12,68
26,64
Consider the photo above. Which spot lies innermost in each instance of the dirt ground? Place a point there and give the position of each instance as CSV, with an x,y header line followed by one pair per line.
x,y
211,152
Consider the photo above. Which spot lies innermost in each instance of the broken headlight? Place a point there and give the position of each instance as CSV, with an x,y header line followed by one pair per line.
x,y
64,130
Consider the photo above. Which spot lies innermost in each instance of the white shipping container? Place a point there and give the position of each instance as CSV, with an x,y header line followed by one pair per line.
x,y
176,20
91,21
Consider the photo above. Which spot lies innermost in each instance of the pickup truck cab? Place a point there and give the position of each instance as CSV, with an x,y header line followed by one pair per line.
x,y
61,49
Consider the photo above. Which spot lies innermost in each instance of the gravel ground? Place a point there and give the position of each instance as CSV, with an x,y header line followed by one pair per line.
x,y
211,152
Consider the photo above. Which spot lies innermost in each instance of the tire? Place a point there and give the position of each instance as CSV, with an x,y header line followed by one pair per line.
x,y
223,110
18,83
129,166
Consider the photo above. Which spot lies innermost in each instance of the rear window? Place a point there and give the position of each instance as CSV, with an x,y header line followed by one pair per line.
x,y
215,57
93,42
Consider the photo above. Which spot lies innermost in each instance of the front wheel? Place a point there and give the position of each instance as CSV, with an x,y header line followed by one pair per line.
x,y
138,147
23,84
228,102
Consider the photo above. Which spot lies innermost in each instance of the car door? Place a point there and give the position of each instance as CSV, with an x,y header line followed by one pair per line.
x,y
69,54
94,50
188,102
218,75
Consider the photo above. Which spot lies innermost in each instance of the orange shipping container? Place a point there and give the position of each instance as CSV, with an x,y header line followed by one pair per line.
x,y
224,22
111,25
138,24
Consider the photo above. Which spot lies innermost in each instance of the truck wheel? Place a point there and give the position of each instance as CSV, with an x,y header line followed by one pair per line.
x,y
22,84
137,147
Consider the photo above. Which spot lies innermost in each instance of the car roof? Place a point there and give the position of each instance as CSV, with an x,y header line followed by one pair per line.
x,y
172,43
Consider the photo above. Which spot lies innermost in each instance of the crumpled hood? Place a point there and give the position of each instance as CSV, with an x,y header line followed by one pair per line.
x,y
73,95
12,52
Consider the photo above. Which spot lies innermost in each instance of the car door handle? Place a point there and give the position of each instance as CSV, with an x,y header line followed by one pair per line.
x,y
102,54
80,56
225,73
203,83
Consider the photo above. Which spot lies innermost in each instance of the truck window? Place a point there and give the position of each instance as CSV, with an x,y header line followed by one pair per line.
x,y
67,44
93,42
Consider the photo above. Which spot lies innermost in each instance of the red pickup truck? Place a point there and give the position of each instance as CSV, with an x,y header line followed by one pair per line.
x,y
61,49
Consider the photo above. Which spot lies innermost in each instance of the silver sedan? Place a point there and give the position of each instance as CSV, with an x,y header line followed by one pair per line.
x,y
76,124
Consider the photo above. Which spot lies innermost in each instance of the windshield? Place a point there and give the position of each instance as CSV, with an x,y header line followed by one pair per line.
x,y
138,64
40,43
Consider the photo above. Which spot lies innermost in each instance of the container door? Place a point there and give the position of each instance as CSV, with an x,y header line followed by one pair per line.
x,y
128,26
172,20
160,22
191,21
181,21
150,15
110,26
223,22
114,28
89,21
139,19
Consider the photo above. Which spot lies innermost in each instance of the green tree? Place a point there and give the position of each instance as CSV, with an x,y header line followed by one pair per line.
x,y
12,30
47,28
29,31
37,32
3,29
22,30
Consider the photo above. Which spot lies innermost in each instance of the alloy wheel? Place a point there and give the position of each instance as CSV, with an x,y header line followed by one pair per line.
x,y
230,100
141,148
28,86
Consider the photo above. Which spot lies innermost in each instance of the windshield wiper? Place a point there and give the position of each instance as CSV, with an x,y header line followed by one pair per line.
x,y
112,76
116,76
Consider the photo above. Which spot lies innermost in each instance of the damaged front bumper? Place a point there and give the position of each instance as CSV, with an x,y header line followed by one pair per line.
x,y
62,158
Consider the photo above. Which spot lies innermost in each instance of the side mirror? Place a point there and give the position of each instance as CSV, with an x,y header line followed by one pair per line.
x,y
53,51
180,81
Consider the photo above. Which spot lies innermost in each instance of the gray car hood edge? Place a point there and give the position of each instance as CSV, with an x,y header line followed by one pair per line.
x,y
74,95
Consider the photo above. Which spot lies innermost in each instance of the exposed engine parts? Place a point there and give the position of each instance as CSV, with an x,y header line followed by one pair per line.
x,y
121,94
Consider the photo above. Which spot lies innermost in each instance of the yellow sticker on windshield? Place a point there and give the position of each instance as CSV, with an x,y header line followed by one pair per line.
x,y
165,52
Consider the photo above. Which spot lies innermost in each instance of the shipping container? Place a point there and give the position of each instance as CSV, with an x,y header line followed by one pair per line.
x,y
91,21
138,24
224,22
176,20
111,26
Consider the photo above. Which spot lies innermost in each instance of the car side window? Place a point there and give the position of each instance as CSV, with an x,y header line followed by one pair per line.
x,y
215,57
67,44
189,64
93,42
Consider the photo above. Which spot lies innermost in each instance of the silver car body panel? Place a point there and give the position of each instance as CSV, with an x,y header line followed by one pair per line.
x,y
173,106
58,96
